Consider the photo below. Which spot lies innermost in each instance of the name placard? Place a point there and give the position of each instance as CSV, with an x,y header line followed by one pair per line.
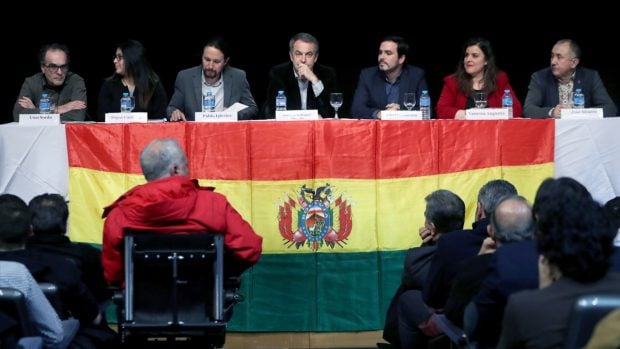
x,y
401,115
215,116
287,115
125,118
487,114
581,113
39,119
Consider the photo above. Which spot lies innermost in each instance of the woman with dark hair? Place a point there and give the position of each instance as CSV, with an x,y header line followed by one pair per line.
x,y
476,72
132,74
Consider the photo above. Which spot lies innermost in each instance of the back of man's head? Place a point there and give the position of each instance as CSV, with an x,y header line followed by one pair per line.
x,y
445,210
162,158
14,220
612,208
49,214
490,194
512,220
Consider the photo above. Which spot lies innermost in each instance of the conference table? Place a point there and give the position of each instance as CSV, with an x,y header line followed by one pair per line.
x,y
368,178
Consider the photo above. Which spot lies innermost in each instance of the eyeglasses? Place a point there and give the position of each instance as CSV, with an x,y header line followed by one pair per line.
x,y
54,67
118,57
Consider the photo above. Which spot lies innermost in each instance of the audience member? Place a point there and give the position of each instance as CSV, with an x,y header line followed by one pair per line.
x,y
551,89
606,334
229,85
574,240
66,89
306,83
132,75
172,202
476,72
382,87
445,212
49,227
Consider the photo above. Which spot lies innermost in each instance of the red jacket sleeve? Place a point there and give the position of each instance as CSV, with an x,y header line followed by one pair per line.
x,y
241,241
111,254
450,99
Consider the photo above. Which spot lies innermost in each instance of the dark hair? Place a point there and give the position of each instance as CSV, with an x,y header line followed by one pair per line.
x,y
612,207
490,194
464,80
572,230
219,43
138,68
49,214
52,47
402,46
445,210
572,44
305,37
514,225
14,220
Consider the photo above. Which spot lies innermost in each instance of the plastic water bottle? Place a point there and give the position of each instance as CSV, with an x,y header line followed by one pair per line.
x,y
208,102
126,103
579,101
507,102
281,100
45,104
425,105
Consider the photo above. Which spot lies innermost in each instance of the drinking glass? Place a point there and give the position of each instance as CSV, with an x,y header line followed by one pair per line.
x,y
409,100
335,100
480,99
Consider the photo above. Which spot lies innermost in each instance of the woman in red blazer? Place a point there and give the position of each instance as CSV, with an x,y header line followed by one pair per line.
x,y
477,72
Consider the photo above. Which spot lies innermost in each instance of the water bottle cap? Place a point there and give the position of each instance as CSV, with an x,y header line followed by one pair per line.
x,y
506,91
577,90
44,95
125,94
280,92
424,91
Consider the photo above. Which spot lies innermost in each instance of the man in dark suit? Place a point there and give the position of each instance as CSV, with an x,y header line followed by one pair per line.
x,y
551,89
306,84
229,85
382,87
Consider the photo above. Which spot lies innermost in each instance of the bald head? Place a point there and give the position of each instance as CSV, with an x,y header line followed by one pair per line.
x,y
162,158
511,220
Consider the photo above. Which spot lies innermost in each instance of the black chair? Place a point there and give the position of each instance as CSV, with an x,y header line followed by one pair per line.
x,y
13,305
52,294
174,289
586,313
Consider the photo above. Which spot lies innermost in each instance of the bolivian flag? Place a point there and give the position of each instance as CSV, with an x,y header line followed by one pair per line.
x,y
337,202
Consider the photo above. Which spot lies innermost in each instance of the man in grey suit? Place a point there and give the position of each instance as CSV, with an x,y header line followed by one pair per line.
x,y
551,89
229,85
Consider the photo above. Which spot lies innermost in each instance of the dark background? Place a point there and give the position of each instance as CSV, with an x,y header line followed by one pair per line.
x,y
522,40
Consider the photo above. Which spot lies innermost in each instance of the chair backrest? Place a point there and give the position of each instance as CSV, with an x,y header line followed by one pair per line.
x,y
13,305
52,294
173,280
586,313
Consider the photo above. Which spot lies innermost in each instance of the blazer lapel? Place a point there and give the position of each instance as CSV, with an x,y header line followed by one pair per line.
x,y
197,87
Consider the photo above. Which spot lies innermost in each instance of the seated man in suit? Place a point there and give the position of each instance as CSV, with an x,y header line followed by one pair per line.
x,y
551,89
382,87
229,85
305,83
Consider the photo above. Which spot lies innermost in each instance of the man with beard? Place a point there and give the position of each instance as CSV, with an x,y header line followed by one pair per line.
x,y
227,84
382,88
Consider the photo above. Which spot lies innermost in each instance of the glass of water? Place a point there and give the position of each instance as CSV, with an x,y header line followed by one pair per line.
x,y
480,99
335,100
409,100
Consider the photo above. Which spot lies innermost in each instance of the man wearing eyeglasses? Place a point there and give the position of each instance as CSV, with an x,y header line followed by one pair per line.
x,y
66,89
305,83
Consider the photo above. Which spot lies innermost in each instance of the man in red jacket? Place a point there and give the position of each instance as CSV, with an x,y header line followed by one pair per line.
x,y
172,202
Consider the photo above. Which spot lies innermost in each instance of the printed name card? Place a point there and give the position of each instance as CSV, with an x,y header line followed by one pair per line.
x,y
581,113
215,116
286,115
39,119
401,115
125,118
487,114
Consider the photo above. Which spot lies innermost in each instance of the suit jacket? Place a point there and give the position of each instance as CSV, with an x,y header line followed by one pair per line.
x,y
282,77
543,94
452,98
187,95
370,94
538,318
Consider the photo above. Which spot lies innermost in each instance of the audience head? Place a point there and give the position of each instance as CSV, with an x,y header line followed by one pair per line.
x,y
445,211
573,232
14,222
490,194
511,221
565,57
477,61
303,49
215,55
54,59
162,158
393,52
612,207
49,214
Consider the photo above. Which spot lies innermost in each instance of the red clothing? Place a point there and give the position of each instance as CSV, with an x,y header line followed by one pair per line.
x,y
452,99
176,204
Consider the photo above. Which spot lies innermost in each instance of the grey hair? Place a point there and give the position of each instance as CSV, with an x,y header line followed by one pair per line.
x,y
516,224
305,37
490,194
160,156
445,210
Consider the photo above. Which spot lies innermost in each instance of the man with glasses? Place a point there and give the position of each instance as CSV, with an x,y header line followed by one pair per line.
x,y
305,83
66,89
